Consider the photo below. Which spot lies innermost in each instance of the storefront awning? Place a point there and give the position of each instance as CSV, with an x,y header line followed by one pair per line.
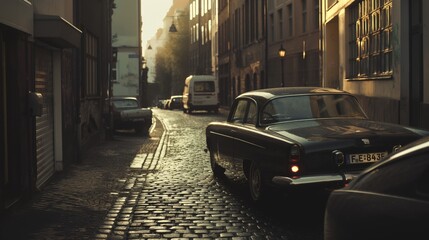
x,y
56,31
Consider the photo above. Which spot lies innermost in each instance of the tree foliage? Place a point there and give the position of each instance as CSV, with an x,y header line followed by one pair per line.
x,y
172,60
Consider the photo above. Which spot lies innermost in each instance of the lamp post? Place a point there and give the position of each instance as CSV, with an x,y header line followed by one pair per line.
x,y
173,27
282,54
144,83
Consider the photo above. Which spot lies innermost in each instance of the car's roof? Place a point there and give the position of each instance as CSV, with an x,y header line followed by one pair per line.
x,y
264,95
273,92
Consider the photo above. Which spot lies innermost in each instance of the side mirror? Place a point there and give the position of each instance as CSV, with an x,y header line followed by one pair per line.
x,y
36,103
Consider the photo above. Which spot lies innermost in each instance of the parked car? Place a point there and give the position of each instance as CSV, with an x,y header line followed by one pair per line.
x,y
166,103
300,137
161,103
201,92
175,102
128,114
389,200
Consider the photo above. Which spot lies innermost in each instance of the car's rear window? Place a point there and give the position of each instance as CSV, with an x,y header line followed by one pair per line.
x,y
315,106
125,103
204,86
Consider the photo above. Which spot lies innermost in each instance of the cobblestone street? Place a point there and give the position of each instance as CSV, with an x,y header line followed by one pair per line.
x,y
74,203
155,188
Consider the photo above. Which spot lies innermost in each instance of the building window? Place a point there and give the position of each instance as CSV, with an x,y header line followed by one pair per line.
x,y
197,34
203,34
370,32
91,68
304,15
209,30
316,14
203,7
191,11
192,34
280,19
290,19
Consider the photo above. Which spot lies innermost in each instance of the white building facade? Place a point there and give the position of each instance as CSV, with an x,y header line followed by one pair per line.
x,y
126,68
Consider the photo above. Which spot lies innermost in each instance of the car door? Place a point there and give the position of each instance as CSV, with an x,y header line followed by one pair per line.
x,y
244,133
225,134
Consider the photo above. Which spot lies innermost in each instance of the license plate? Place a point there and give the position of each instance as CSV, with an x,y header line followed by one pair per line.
x,y
366,157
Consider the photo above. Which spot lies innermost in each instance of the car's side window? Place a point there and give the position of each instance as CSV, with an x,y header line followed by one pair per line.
x,y
240,112
268,113
251,115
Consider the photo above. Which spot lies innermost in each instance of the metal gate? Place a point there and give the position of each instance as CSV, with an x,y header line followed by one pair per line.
x,y
45,123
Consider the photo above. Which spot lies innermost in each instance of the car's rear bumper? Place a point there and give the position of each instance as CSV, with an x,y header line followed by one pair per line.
x,y
323,179
132,123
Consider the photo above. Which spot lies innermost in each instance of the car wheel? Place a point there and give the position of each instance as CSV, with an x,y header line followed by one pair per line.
x,y
145,132
256,184
217,170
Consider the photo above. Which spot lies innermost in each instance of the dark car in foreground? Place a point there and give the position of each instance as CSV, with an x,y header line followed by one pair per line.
x,y
127,114
389,200
301,137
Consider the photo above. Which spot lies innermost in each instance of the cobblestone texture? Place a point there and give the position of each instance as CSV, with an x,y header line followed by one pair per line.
x,y
75,202
156,188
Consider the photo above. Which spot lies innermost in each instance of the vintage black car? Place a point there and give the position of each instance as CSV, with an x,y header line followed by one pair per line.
x,y
302,136
388,200
128,114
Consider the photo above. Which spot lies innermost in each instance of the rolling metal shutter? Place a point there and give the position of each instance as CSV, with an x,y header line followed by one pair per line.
x,y
45,123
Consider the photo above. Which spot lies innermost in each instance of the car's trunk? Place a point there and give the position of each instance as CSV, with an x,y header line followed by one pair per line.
x,y
361,141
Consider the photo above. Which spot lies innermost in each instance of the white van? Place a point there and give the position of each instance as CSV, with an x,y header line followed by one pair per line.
x,y
201,93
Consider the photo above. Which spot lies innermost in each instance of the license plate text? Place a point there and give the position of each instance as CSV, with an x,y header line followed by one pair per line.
x,y
366,157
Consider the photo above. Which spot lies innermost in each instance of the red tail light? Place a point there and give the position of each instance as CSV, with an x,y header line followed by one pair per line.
x,y
294,158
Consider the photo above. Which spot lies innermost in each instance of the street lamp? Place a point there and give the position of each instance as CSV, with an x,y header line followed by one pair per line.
x,y
282,54
173,28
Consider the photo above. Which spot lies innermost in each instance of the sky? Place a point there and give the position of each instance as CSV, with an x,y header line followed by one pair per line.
x,y
153,12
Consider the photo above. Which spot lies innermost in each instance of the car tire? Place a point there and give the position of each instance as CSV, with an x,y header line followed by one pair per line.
x,y
145,132
142,130
257,186
216,169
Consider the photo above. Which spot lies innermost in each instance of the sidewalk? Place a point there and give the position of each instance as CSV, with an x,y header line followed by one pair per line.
x,y
75,202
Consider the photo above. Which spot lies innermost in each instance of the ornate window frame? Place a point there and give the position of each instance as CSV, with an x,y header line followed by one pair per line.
x,y
370,47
